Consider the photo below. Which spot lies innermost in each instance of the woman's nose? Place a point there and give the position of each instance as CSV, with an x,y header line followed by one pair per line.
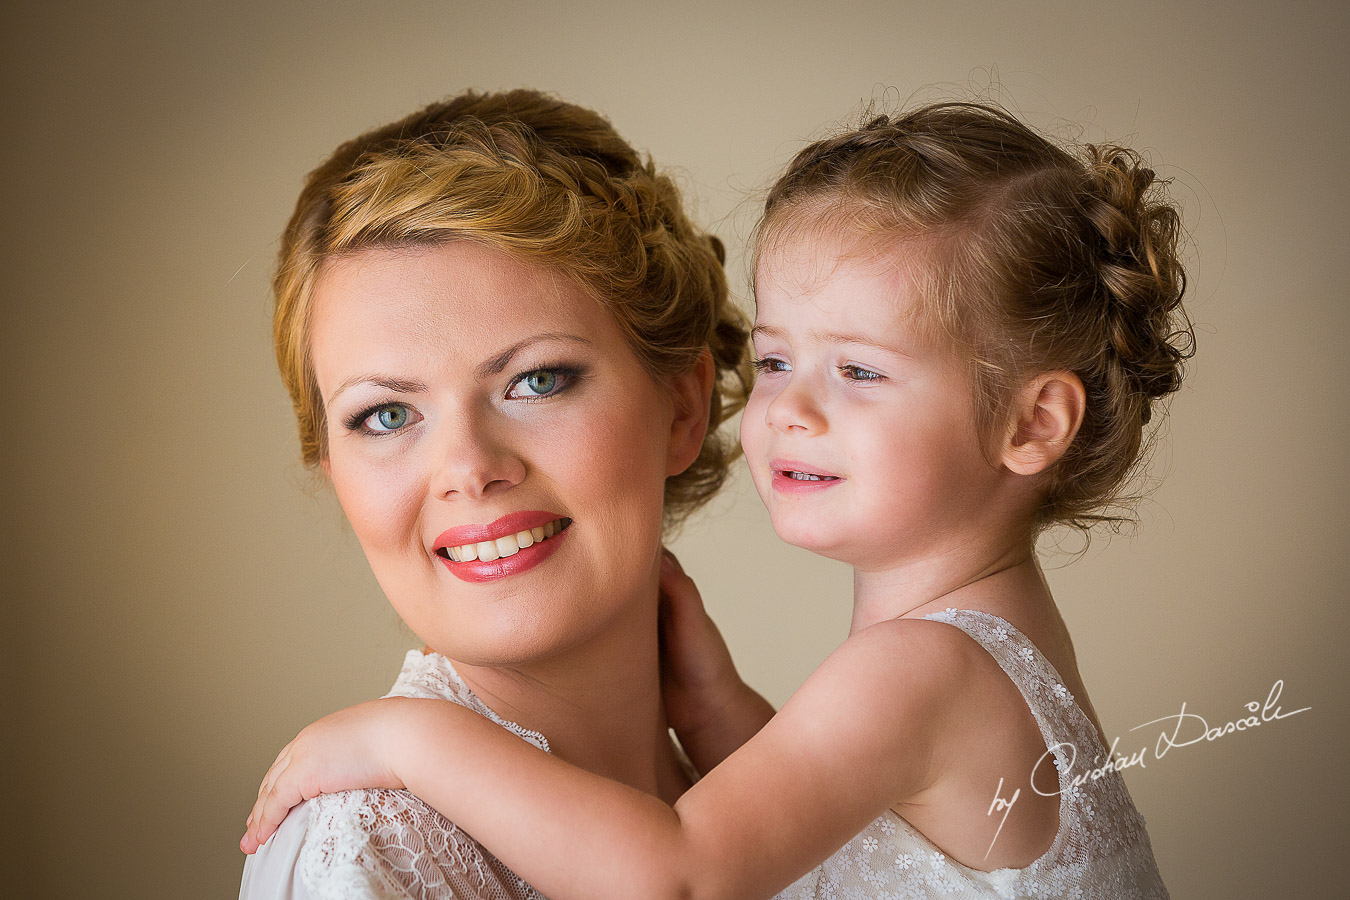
x,y
795,409
475,461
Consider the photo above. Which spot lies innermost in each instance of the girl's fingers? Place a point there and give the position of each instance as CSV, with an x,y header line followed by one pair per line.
x,y
277,764
670,561
673,576
266,817
259,827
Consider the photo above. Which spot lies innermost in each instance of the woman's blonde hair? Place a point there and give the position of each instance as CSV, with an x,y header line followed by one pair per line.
x,y
545,180
1037,260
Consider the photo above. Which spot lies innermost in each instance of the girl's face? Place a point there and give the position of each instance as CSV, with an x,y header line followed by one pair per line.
x,y
860,435
498,448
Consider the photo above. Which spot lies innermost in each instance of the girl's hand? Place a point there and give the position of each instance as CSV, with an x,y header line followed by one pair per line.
x,y
341,752
711,709
697,673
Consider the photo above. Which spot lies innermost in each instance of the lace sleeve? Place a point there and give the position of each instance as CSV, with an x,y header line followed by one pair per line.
x,y
386,845
380,845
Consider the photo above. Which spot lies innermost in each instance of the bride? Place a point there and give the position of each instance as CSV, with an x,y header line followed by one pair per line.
x,y
509,351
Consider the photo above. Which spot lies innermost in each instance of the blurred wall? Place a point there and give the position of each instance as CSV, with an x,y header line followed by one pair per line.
x,y
179,599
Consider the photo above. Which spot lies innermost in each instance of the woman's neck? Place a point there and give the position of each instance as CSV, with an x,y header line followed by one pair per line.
x,y
598,704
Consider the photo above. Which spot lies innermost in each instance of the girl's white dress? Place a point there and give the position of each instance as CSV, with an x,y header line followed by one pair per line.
x,y
379,845
1101,851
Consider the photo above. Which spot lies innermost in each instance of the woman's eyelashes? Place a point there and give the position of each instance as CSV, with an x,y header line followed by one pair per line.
x,y
391,416
540,384
382,418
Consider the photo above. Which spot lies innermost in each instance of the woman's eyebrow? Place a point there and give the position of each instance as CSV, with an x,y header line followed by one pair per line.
x,y
494,366
497,364
398,385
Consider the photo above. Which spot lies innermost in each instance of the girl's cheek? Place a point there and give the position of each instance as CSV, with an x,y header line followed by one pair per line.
x,y
752,421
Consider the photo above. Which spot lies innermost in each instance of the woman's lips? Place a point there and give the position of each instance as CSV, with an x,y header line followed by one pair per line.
x,y
511,523
512,544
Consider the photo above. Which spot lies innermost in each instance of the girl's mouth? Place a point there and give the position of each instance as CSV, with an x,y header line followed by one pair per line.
x,y
792,477
808,476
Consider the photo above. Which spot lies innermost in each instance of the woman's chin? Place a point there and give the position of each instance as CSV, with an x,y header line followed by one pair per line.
x,y
505,639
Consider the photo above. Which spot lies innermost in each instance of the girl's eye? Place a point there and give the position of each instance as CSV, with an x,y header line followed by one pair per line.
x,y
858,373
770,364
540,383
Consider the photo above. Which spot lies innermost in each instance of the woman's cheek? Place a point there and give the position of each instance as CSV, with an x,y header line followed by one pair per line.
x,y
379,503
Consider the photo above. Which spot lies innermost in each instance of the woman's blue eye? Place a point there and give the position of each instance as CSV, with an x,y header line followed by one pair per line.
x,y
540,383
388,418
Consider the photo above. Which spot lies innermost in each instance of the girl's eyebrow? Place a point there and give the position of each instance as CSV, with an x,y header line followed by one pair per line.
x,y
830,337
839,337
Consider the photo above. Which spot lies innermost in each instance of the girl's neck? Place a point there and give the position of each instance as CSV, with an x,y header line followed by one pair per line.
x,y
598,704
990,573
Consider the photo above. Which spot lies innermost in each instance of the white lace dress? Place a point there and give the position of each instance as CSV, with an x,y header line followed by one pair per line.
x,y
374,845
382,845
1101,851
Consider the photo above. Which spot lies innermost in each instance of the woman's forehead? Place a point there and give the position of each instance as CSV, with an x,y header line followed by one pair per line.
x,y
461,300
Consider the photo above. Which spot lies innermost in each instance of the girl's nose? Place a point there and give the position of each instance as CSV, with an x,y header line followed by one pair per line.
x,y
794,409
475,462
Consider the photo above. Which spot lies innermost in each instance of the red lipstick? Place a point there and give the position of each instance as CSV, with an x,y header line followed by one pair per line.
x,y
478,571
511,523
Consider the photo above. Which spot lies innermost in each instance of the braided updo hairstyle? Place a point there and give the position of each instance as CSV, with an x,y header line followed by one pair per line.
x,y
550,182
1037,260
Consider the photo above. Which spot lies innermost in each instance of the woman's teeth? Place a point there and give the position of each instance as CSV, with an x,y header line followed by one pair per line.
x,y
502,547
807,476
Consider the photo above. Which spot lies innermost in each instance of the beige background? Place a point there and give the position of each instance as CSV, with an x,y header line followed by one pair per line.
x,y
177,604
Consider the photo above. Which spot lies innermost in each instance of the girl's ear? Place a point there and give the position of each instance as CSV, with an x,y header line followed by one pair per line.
x,y
1046,415
692,393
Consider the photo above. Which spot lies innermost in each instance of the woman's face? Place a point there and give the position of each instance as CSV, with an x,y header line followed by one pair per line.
x,y
496,445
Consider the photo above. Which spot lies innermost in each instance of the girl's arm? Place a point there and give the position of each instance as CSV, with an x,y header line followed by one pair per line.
x,y
858,737
711,709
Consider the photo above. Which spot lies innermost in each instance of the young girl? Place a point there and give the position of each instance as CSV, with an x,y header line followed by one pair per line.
x,y
961,332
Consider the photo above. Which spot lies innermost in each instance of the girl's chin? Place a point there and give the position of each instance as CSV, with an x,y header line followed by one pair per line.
x,y
806,537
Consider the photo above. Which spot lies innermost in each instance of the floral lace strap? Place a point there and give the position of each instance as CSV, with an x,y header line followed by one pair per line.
x,y
380,845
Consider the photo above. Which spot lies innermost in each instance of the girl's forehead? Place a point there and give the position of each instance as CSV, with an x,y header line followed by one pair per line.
x,y
836,281
832,291
801,258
